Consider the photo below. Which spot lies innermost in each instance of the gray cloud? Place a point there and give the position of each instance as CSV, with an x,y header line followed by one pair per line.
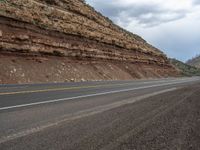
x,y
196,2
147,15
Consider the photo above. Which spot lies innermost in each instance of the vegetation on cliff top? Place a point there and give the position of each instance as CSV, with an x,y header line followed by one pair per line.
x,y
186,69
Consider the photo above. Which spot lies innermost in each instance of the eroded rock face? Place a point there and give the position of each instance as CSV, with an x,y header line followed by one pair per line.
x,y
1,34
50,1
71,29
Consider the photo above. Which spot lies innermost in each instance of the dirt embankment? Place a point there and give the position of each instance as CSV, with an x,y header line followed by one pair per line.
x,y
44,33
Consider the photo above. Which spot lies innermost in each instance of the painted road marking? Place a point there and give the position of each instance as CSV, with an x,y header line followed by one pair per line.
x,y
81,114
76,88
90,95
70,88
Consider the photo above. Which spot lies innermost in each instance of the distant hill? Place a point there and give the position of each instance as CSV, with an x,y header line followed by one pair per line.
x,y
187,70
194,61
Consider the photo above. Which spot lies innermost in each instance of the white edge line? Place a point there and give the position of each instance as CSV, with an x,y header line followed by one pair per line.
x,y
90,95
81,114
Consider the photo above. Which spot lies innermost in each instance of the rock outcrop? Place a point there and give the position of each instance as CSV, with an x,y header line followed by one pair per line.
x,y
70,32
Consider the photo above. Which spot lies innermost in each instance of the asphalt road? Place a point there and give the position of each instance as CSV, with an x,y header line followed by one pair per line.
x,y
95,115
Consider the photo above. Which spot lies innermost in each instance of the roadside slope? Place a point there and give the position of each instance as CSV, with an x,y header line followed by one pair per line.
x,y
63,40
185,69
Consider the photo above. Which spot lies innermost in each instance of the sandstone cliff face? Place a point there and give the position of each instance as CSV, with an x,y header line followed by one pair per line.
x,y
70,30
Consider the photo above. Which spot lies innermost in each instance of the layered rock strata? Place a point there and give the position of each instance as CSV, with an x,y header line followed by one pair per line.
x,y
69,31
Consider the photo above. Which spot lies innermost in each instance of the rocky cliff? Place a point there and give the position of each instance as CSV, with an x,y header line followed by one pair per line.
x,y
57,40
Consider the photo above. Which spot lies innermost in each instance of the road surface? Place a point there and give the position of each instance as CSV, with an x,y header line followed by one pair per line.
x,y
143,114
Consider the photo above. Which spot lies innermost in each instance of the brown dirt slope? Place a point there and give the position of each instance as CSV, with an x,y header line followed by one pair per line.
x,y
73,34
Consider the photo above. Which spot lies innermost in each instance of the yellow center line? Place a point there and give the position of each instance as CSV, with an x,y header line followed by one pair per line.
x,y
60,89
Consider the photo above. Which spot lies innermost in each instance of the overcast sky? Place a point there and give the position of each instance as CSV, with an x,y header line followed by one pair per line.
x,y
172,26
